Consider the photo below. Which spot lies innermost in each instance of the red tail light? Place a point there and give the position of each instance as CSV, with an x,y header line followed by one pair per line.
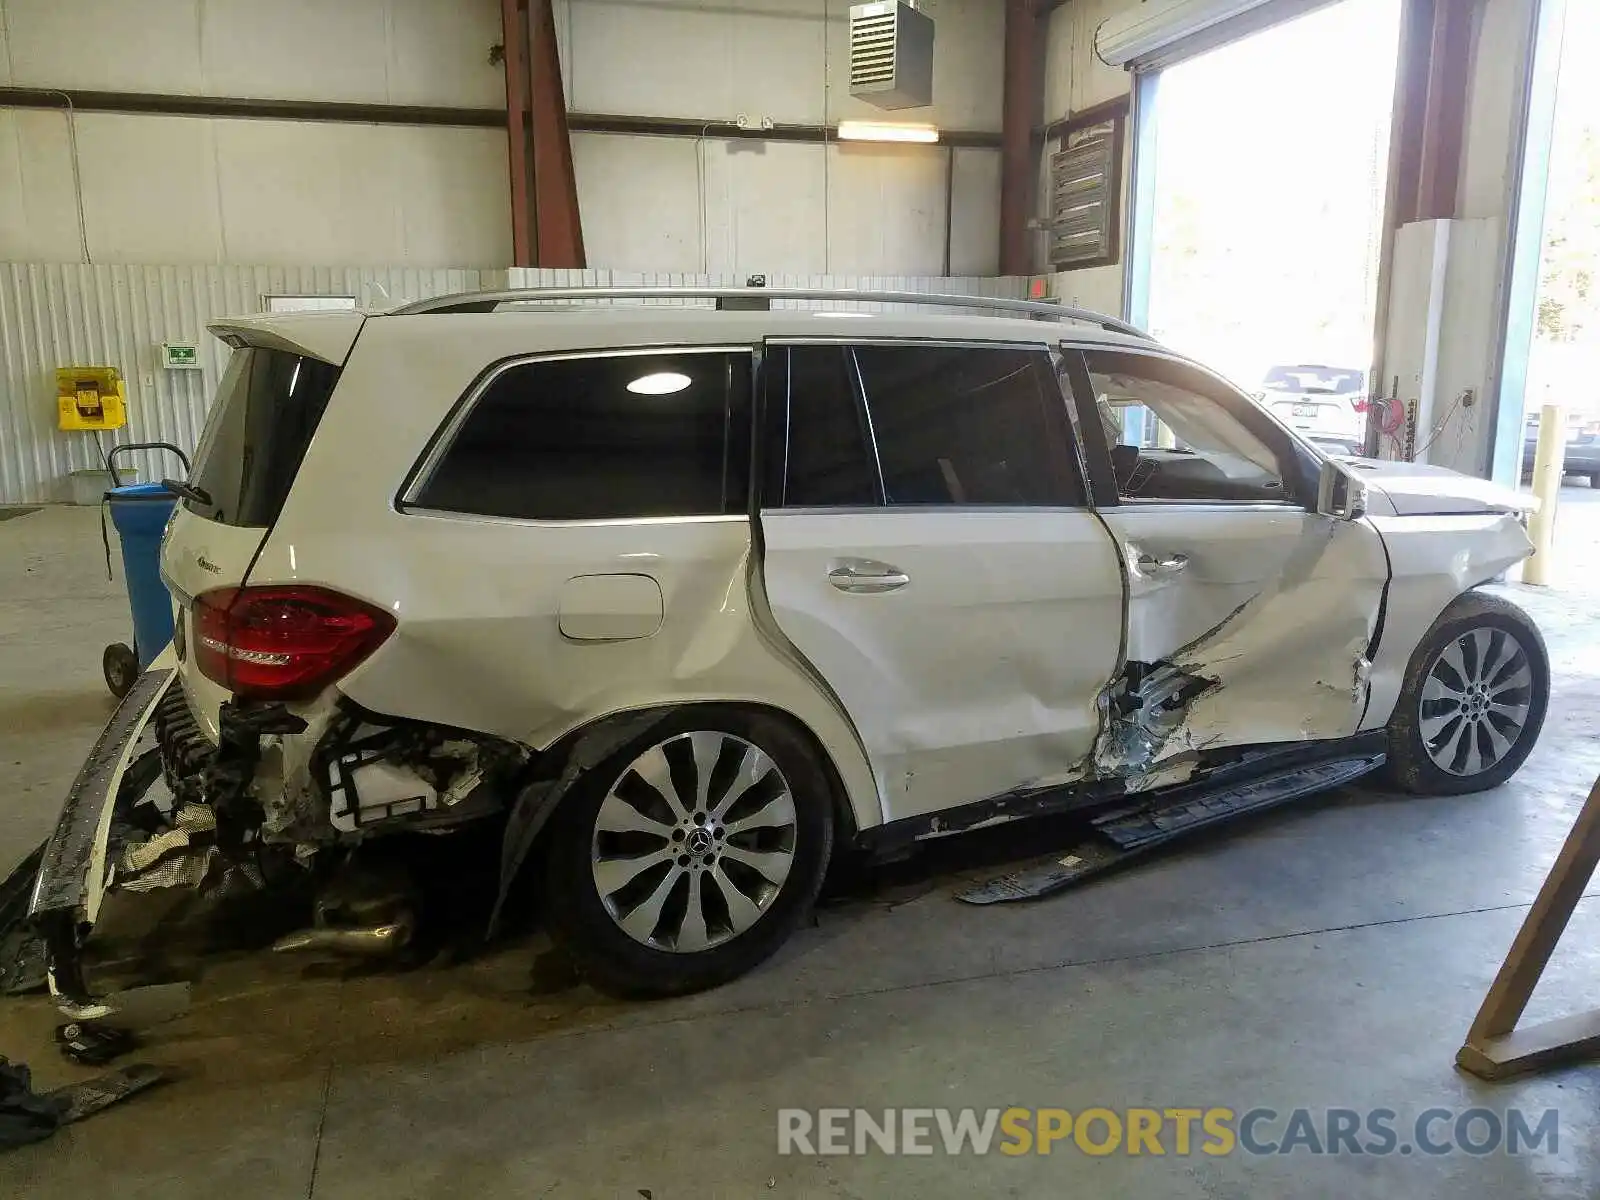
x,y
283,642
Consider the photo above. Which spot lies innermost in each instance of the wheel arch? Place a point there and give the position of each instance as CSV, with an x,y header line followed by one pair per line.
x,y
1434,561
585,747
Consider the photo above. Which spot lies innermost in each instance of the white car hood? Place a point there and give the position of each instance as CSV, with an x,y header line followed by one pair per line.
x,y
1416,489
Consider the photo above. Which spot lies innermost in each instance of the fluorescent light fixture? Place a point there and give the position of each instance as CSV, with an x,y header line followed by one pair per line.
x,y
659,383
887,131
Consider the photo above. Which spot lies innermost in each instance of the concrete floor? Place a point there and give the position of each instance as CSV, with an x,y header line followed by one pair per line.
x,y
1329,955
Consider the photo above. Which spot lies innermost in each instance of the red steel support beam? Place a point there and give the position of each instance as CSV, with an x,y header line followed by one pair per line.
x,y
545,227
1022,103
1436,50
1444,117
515,43
558,230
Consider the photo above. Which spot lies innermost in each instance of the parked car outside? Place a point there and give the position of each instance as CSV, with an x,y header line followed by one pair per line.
x,y
1582,455
1324,404
681,603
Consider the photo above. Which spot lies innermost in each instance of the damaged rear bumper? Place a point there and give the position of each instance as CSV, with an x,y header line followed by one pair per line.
x,y
76,867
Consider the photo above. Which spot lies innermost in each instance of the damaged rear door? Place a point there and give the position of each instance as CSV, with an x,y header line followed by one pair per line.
x,y
928,550
1250,616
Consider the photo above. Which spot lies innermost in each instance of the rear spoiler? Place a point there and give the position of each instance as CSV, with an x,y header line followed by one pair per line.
x,y
326,336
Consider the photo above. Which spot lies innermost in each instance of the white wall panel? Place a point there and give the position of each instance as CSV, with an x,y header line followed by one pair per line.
x,y
1096,288
394,51
975,231
886,208
672,58
454,192
1487,159
175,189
1075,78
439,52
54,316
108,45
765,207
38,216
640,200
150,188
333,51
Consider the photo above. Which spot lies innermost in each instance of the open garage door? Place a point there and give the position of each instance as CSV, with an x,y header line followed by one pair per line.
x,y
1159,34
1261,177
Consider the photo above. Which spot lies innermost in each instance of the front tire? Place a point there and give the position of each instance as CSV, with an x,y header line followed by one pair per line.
x,y
1473,700
690,855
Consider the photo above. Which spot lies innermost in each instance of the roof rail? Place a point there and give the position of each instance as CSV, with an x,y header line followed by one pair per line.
x,y
751,297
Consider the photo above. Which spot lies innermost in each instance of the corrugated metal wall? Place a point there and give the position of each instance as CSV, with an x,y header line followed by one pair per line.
x,y
76,315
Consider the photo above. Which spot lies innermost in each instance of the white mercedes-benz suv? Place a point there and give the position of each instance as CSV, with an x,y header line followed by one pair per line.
x,y
675,602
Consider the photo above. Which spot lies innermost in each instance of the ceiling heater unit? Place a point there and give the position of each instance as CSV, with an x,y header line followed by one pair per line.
x,y
891,54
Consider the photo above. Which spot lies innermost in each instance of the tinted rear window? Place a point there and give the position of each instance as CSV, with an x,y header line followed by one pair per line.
x,y
1338,381
618,436
969,425
267,407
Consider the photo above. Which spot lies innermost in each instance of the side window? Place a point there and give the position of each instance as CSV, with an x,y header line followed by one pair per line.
x,y
1175,433
615,436
818,451
969,426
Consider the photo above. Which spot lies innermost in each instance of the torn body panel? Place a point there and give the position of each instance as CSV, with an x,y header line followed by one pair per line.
x,y
1246,626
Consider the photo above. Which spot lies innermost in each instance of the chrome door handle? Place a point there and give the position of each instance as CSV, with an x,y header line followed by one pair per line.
x,y
866,575
1151,565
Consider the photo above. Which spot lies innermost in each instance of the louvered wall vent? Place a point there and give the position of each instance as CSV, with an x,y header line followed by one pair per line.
x,y
1085,190
891,55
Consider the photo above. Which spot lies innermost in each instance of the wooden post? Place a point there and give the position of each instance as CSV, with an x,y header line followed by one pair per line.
x,y
1495,1048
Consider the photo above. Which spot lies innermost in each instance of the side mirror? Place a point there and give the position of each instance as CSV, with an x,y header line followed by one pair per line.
x,y
1341,494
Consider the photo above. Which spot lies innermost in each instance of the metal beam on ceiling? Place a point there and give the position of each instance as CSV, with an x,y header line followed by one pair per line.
x,y
358,113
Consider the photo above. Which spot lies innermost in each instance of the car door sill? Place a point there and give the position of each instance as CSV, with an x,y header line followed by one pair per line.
x,y
1102,797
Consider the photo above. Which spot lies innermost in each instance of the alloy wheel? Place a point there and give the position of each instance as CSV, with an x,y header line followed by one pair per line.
x,y
1476,700
694,841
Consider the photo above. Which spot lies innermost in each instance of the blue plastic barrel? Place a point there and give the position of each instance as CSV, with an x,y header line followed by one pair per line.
x,y
140,512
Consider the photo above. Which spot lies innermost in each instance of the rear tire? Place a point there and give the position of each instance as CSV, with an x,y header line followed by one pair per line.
x,y
734,863
1473,700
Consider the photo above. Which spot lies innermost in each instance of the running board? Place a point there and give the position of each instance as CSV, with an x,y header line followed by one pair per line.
x,y
1134,830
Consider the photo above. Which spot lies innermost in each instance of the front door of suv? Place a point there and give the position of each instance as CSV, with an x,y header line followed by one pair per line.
x,y
1249,612
928,548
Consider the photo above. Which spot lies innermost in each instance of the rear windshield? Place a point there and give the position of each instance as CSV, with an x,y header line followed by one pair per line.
x,y
267,407
1337,381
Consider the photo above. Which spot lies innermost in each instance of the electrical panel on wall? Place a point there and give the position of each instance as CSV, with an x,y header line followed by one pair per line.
x,y
891,54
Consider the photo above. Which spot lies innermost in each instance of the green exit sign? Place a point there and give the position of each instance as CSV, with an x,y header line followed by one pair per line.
x,y
180,356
